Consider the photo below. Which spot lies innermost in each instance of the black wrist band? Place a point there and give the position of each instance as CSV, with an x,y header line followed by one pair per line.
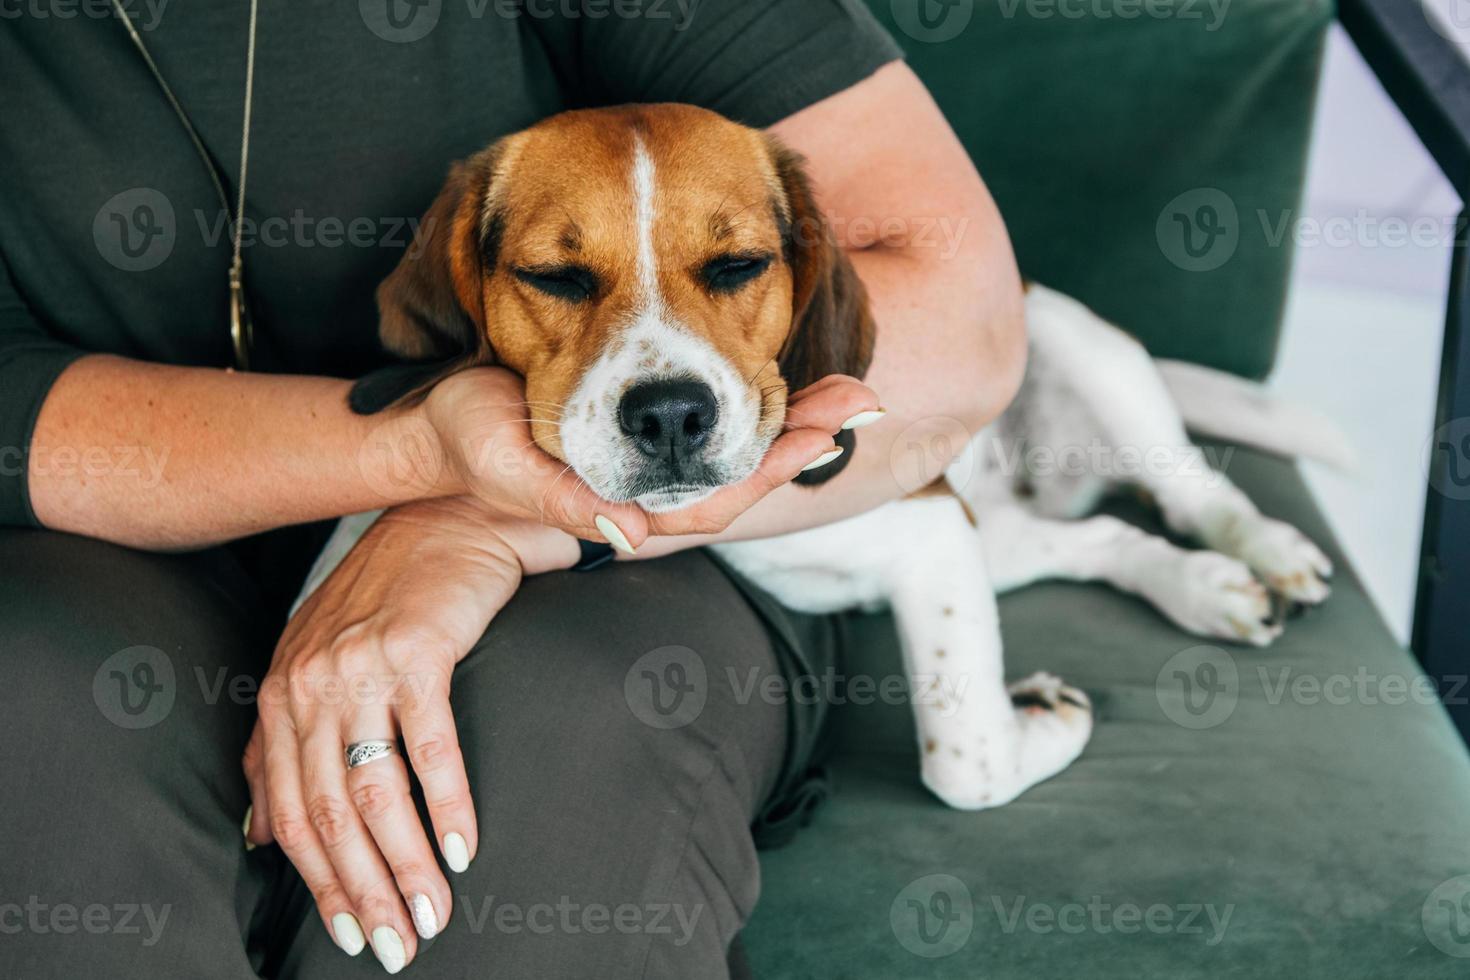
x,y
594,556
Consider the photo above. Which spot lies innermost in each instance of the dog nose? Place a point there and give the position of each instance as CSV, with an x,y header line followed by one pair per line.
x,y
668,419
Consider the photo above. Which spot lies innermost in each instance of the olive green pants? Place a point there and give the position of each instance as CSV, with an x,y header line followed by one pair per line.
x,y
617,742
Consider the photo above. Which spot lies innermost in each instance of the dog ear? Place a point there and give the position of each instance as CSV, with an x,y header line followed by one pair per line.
x,y
832,328
430,308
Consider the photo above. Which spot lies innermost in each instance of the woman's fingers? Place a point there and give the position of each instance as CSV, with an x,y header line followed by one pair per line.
x,y
550,492
297,837
567,503
432,743
380,792
835,403
359,865
257,824
788,456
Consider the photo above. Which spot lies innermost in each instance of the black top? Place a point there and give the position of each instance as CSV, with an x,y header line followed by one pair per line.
x,y
112,238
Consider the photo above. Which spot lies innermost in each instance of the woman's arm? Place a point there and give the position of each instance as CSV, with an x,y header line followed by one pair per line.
x,y
193,456
927,240
166,458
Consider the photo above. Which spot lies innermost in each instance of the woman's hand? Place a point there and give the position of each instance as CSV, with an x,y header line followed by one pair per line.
x,y
483,423
370,656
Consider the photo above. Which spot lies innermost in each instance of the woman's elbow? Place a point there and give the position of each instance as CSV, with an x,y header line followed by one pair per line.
x,y
986,372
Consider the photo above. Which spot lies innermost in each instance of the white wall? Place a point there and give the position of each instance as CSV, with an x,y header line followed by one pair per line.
x,y
1366,317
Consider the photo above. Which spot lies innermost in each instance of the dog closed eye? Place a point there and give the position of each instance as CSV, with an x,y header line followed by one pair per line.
x,y
572,283
731,273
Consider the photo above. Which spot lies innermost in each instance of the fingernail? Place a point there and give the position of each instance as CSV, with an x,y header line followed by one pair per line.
x,y
823,460
388,948
425,922
245,828
865,418
456,853
347,933
614,535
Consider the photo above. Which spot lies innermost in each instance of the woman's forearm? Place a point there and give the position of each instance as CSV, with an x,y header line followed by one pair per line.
x,y
166,458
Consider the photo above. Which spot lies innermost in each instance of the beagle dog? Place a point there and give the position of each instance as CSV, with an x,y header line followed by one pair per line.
x,y
663,277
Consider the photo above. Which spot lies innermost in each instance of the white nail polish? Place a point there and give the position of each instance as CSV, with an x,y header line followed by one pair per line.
x,y
425,921
614,535
865,418
347,933
823,460
456,853
245,827
388,948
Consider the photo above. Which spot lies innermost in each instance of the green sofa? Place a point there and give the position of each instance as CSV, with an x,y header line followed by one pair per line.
x,y
1302,811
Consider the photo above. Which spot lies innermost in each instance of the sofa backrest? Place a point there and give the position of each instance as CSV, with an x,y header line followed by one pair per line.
x,y
1148,155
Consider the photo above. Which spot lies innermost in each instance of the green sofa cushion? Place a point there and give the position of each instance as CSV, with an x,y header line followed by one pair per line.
x,y
1322,822
1097,133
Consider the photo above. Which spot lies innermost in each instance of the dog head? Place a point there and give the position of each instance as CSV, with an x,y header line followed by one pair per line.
x,y
660,277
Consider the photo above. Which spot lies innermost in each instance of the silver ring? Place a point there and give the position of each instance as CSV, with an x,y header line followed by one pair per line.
x,y
361,753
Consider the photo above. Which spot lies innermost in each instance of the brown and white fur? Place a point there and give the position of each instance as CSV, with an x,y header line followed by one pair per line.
x,y
609,252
